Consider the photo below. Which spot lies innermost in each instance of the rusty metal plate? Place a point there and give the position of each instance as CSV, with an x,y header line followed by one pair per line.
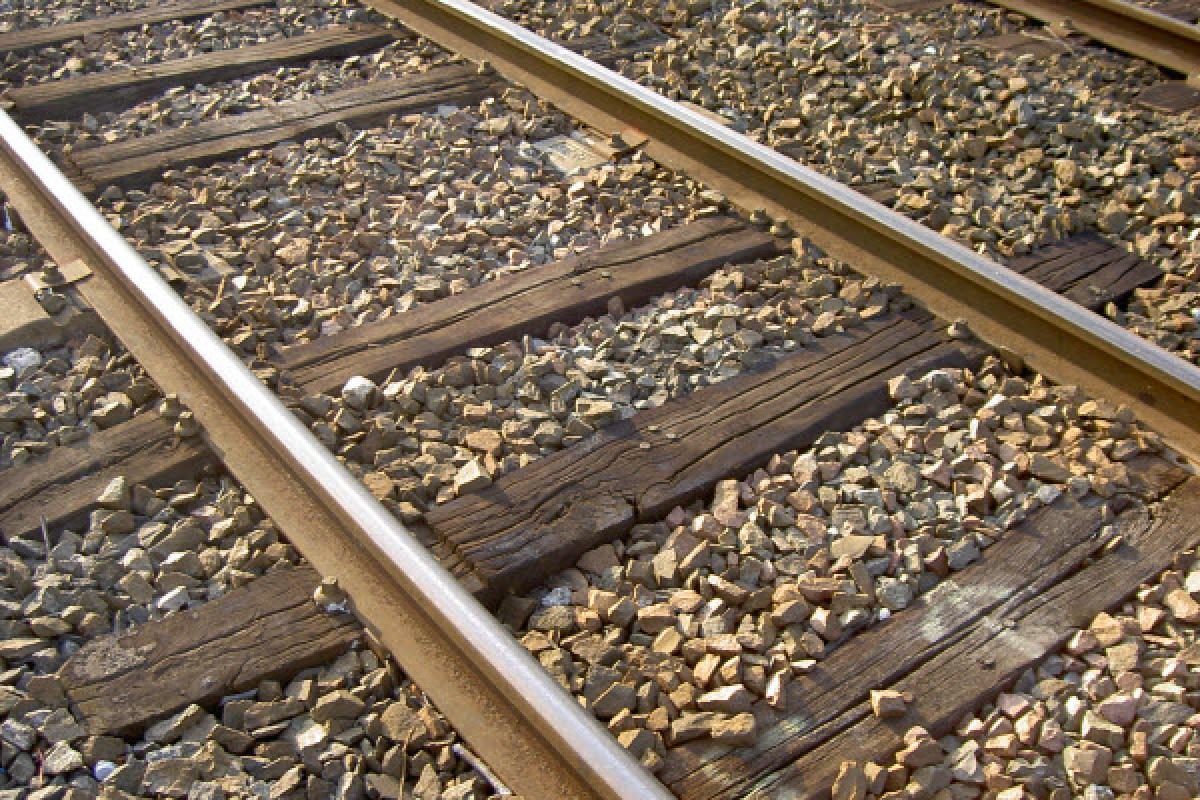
x,y
1021,44
71,272
1171,97
575,153
909,6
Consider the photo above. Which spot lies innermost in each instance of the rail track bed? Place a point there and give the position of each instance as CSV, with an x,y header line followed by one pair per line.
x,y
413,415
1026,149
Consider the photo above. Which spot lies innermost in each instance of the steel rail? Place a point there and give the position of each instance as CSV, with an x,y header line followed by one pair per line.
x,y
1053,335
531,732
1131,28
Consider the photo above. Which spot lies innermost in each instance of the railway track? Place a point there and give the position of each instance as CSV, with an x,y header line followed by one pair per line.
x,y
743,504
1143,32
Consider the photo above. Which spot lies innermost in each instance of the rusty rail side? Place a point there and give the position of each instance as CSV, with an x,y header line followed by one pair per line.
x,y
1057,337
537,737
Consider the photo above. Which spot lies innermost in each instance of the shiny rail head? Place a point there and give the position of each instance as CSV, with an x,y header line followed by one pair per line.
x,y
762,159
507,669
1126,26
758,157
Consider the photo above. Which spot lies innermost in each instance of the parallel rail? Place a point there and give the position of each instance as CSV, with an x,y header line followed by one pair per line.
x,y
538,738
1131,28
1054,336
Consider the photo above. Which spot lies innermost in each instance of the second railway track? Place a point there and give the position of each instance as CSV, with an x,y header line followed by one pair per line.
x,y
743,504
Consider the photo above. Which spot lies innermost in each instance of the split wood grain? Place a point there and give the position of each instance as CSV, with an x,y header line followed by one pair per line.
x,y
267,629
1013,638
144,159
528,302
910,6
882,192
1088,269
1170,97
1041,45
63,485
541,518
955,647
42,36
602,50
1183,10
122,88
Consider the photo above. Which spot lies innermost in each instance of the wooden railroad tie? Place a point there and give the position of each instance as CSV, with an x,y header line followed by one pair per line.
x,y
65,483
268,629
116,89
909,6
1168,97
139,161
600,48
43,36
120,88
1042,45
953,649
539,519
881,191
956,647
1088,269
527,302
142,160
1183,10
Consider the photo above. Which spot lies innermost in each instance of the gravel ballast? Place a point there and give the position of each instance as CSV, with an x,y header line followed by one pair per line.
x,y
60,395
224,30
688,627
999,151
1113,714
317,237
356,727
417,438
